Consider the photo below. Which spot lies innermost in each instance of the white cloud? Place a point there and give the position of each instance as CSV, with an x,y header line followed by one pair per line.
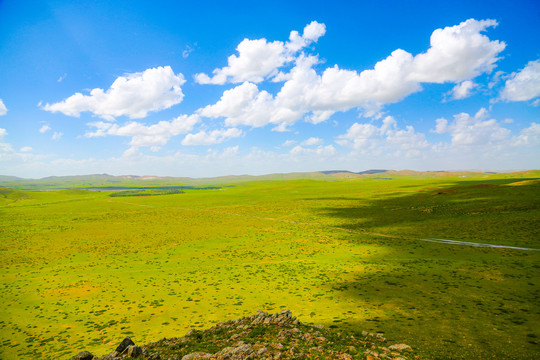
x,y
132,95
288,143
312,141
212,137
359,136
529,136
318,151
3,109
456,54
57,135
312,32
475,142
523,85
61,78
389,146
387,138
6,151
8,155
246,105
495,79
477,130
132,153
143,135
320,116
256,60
259,59
242,105
463,90
407,139
283,127
187,51
441,126
230,152
44,128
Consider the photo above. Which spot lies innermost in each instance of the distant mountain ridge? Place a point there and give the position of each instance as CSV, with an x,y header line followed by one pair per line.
x,y
92,180
5,178
104,176
374,171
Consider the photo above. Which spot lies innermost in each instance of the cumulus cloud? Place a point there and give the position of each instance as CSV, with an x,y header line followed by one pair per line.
x,y
312,32
132,95
57,135
288,143
283,127
387,137
256,60
441,126
394,146
457,54
318,151
230,152
260,59
360,136
9,156
246,105
523,85
312,141
242,105
463,90
212,137
472,139
477,130
3,109
44,128
529,136
132,154
144,135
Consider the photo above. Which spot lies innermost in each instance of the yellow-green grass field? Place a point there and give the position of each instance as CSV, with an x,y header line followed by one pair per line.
x,y
81,269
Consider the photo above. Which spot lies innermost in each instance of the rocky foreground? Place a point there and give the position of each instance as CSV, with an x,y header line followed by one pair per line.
x,y
261,336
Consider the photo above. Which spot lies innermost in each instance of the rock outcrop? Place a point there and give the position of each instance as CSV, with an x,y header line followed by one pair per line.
x,y
261,336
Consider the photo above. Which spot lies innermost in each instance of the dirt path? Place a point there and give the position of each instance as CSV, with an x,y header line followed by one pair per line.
x,y
467,243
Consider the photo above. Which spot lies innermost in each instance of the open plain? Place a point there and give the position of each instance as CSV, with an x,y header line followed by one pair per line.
x,y
81,269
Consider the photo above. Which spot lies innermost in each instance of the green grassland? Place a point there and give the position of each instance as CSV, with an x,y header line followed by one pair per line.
x,y
81,269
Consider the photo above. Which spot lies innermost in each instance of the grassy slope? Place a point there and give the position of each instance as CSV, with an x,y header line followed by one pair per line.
x,y
84,269
8,195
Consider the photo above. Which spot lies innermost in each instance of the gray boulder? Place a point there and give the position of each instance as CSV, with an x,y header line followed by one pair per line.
x,y
124,345
134,351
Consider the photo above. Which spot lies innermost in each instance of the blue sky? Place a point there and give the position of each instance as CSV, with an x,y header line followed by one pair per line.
x,y
215,88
